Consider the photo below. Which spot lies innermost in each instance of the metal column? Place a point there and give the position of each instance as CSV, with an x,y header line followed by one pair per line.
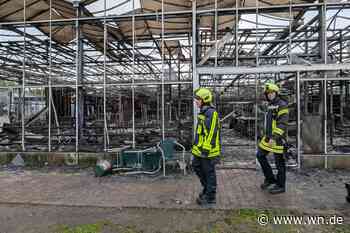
x,y
298,119
324,54
133,78
50,74
105,125
195,77
22,92
79,98
163,48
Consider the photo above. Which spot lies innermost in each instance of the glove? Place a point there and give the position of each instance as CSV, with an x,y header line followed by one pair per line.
x,y
278,139
205,153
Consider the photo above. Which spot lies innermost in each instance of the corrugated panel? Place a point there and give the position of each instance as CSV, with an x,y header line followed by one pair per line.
x,y
11,10
140,28
250,3
210,4
181,5
35,10
223,22
64,35
170,47
155,27
169,5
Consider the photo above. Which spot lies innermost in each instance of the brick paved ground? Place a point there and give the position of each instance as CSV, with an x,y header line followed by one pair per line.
x,y
237,188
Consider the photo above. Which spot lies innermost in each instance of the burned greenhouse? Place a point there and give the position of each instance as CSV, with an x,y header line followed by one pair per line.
x,y
96,75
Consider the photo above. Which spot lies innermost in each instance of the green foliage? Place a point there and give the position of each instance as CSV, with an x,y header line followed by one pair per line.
x,y
88,228
235,221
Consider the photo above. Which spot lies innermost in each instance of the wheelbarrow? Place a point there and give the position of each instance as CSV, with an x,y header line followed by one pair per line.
x,y
146,161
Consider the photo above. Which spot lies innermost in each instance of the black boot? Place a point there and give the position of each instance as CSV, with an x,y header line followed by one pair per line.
x,y
275,189
205,201
266,184
202,194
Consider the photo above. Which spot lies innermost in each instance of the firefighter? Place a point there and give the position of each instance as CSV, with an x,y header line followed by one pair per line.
x,y
273,140
207,146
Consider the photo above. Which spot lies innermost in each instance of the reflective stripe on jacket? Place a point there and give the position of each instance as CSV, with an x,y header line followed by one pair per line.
x,y
207,135
276,121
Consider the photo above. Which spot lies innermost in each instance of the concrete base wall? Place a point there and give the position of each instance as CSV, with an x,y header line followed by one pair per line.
x,y
35,159
332,162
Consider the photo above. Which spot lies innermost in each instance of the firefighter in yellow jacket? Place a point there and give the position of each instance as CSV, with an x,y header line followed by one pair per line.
x,y
276,120
207,146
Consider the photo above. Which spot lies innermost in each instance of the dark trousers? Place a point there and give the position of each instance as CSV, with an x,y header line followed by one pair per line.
x,y
206,172
280,179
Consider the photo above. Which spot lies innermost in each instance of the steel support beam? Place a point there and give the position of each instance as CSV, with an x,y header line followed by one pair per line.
x,y
231,70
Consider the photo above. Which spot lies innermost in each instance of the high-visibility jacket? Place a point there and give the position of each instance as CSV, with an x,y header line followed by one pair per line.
x,y
207,141
276,121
